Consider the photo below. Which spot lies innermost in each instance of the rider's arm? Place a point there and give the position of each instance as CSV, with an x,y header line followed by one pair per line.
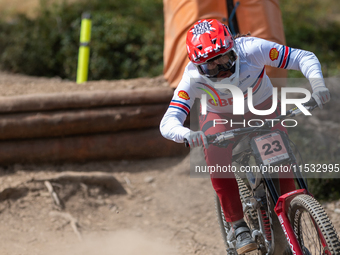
x,y
171,126
263,52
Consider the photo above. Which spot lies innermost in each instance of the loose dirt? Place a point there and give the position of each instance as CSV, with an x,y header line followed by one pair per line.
x,y
161,211
18,84
164,211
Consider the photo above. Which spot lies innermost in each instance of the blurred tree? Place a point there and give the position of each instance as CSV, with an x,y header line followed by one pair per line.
x,y
312,25
127,39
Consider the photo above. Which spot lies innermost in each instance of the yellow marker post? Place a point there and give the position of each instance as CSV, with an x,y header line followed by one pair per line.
x,y
84,49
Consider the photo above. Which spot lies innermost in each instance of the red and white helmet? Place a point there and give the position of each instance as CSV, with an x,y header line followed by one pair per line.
x,y
207,40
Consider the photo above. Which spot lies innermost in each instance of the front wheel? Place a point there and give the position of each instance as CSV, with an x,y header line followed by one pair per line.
x,y
313,228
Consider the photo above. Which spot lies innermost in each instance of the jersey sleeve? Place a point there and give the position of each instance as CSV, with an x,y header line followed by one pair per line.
x,y
171,126
263,52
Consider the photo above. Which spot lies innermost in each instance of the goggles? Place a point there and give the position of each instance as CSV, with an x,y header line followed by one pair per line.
x,y
217,64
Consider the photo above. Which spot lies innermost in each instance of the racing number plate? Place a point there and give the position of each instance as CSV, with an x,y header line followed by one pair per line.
x,y
272,148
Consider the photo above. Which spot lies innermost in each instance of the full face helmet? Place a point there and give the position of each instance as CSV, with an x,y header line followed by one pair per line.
x,y
211,48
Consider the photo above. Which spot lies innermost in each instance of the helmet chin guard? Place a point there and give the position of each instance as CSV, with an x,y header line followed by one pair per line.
x,y
218,83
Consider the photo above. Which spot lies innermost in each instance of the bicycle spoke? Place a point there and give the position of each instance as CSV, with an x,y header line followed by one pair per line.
x,y
310,234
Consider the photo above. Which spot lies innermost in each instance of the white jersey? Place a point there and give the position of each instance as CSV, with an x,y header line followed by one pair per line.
x,y
254,54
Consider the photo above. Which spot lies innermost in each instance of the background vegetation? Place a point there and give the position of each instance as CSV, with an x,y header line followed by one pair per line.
x,y
315,148
314,25
127,39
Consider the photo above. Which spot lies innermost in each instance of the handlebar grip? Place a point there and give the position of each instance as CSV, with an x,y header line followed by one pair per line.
x,y
311,102
186,143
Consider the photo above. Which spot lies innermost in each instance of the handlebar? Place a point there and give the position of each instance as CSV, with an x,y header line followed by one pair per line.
x,y
227,135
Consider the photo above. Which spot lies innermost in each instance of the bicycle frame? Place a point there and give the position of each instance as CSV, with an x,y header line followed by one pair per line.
x,y
263,186
280,210
280,204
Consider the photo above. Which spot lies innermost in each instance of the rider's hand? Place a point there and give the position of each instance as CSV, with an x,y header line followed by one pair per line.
x,y
196,139
321,96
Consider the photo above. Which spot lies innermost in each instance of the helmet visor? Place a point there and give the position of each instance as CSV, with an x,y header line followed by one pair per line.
x,y
223,62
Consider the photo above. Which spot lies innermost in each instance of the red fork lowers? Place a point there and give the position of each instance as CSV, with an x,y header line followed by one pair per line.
x,y
266,223
281,212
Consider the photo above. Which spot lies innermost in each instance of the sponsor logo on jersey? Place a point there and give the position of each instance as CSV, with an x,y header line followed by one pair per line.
x,y
248,76
224,102
256,85
210,94
184,95
273,54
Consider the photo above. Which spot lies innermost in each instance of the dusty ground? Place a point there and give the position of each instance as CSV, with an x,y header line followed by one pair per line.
x,y
11,85
162,211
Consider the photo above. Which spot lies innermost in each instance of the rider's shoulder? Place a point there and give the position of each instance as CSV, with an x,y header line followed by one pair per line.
x,y
191,71
250,44
190,67
249,40
252,48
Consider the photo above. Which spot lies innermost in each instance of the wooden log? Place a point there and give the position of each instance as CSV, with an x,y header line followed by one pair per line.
x,y
76,122
122,145
84,99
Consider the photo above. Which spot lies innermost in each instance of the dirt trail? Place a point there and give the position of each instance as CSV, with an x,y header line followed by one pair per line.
x,y
164,210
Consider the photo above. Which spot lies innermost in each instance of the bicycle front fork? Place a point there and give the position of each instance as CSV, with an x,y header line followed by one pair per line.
x,y
280,209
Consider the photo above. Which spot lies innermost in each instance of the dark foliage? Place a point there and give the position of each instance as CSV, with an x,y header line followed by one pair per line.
x,y
127,40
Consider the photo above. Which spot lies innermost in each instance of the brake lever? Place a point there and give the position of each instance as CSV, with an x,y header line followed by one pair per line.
x,y
211,139
311,104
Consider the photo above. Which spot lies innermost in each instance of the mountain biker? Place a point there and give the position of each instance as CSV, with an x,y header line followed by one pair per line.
x,y
218,58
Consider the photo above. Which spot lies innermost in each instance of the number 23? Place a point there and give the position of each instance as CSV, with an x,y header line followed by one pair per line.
x,y
275,143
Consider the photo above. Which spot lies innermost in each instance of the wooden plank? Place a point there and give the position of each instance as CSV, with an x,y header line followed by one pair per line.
x,y
84,99
115,146
77,122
